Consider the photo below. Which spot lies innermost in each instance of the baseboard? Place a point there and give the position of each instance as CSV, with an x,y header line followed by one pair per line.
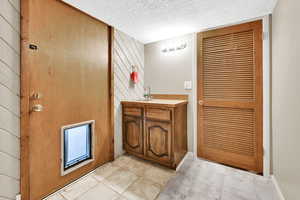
x,y
278,190
184,158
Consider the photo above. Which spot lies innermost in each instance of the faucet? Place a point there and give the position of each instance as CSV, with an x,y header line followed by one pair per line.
x,y
147,93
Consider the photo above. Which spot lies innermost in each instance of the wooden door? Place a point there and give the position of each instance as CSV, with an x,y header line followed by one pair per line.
x,y
66,61
133,134
230,96
158,140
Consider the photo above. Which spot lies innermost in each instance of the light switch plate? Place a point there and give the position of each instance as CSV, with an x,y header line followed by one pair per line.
x,y
187,85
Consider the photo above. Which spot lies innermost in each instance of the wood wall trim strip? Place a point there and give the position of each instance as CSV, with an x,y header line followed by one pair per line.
x,y
112,91
25,76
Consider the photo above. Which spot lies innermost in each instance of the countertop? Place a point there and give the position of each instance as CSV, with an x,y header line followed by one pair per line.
x,y
163,102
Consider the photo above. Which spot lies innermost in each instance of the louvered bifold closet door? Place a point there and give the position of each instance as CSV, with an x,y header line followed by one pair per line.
x,y
230,96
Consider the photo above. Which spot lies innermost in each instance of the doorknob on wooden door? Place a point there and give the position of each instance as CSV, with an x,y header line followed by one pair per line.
x,y
200,102
37,108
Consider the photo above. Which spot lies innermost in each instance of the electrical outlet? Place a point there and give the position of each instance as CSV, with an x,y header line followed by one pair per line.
x,y
187,85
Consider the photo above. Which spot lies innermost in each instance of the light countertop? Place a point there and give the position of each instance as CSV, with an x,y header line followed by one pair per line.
x,y
167,102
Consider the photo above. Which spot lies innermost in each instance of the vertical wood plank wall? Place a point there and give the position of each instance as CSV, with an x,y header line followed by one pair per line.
x,y
127,52
9,98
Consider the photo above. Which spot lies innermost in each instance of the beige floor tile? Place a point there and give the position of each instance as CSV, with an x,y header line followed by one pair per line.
x,y
120,180
55,196
142,189
105,171
138,166
76,189
122,161
160,175
100,192
121,198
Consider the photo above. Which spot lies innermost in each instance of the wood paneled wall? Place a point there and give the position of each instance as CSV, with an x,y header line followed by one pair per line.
x,y
127,52
10,98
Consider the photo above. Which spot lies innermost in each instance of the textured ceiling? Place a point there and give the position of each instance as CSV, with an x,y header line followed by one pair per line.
x,y
153,20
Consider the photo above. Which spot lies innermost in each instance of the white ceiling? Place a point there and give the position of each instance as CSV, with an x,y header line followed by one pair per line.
x,y
153,20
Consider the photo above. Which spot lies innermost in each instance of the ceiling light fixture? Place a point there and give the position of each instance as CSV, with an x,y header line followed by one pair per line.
x,y
175,48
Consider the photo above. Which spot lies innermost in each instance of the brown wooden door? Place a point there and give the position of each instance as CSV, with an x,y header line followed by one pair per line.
x,y
133,134
230,96
70,68
158,140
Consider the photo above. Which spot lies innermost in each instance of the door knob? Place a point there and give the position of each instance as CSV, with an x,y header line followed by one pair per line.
x,y
37,108
200,102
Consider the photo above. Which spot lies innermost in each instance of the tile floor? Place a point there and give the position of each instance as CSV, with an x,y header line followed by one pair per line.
x,y
202,180
129,178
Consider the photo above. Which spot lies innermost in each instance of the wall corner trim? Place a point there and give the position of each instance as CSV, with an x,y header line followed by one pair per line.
x,y
278,190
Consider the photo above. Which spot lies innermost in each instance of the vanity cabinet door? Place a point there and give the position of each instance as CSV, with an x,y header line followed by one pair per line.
x,y
133,134
158,140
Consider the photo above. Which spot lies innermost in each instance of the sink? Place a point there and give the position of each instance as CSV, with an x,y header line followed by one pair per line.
x,y
144,99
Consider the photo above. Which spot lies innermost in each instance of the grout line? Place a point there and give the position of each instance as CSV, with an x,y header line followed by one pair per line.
x,y
9,132
16,179
10,155
10,24
9,67
14,7
11,90
11,112
68,185
10,46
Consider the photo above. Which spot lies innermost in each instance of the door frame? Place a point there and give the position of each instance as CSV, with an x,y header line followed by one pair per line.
x,y
266,90
25,95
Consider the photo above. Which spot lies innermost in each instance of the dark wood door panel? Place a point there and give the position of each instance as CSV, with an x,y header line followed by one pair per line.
x,y
133,134
71,69
158,140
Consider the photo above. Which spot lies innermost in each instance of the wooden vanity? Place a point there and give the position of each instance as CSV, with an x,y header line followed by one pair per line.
x,y
156,130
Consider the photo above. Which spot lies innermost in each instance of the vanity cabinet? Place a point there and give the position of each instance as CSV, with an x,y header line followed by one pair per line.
x,y
156,130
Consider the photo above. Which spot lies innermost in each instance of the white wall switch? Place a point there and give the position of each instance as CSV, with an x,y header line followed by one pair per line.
x,y
187,85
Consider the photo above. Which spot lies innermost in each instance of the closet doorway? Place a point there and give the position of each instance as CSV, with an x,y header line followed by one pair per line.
x,y
230,96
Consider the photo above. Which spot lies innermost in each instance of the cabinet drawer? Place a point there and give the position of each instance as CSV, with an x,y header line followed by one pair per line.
x,y
156,113
132,111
